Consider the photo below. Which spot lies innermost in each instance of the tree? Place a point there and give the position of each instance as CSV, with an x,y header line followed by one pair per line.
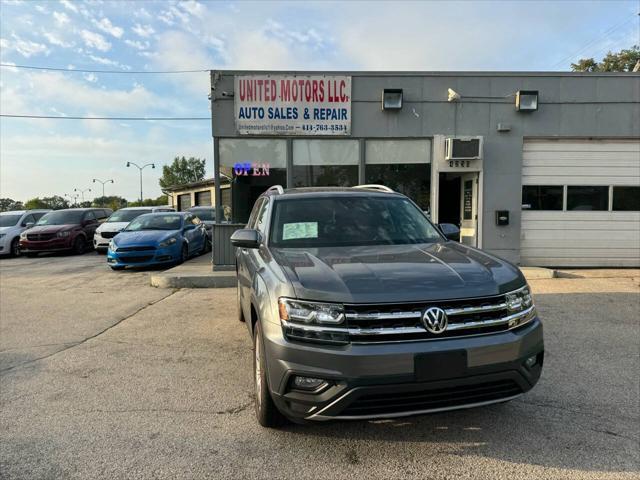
x,y
622,61
8,204
114,202
182,171
162,200
55,202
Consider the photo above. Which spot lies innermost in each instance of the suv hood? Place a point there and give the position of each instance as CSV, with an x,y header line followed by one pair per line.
x,y
111,226
51,228
396,273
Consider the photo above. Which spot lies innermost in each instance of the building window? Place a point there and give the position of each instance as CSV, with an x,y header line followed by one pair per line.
x,y
542,197
253,164
203,199
626,199
318,163
588,198
403,165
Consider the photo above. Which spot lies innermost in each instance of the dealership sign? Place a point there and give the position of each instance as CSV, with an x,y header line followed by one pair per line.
x,y
293,104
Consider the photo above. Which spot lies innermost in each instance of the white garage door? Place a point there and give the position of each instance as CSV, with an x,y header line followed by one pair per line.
x,y
581,203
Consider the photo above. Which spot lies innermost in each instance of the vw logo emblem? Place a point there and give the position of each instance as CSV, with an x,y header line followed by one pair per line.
x,y
435,320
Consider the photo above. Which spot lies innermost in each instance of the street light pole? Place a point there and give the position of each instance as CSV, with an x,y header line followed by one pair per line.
x,y
141,168
103,183
82,192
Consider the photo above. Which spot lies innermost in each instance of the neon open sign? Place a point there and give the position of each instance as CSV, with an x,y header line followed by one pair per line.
x,y
246,169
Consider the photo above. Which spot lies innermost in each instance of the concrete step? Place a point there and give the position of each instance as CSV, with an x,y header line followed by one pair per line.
x,y
195,273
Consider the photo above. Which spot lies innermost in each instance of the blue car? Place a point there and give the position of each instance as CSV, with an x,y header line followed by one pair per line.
x,y
157,238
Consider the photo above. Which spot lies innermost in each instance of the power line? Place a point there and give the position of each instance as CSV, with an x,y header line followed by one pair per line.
x,y
605,34
51,117
84,70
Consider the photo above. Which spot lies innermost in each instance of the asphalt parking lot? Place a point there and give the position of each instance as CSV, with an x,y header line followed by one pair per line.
x,y
103,376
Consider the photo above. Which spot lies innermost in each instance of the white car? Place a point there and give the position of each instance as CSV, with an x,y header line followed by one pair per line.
x,y
117,221
12,224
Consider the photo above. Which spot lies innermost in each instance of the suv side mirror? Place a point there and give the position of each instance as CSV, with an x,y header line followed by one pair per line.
x,y
450,231
28,224
246,238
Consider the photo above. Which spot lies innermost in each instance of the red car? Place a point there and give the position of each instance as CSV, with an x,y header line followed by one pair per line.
x,y
63,230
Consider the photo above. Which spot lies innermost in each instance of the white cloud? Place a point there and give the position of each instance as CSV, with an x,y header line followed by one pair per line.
x,y
109,62
95,40
61,18
144,31
42,9
54,39
26,48
106,26
194,8
90,77
142,13
69,6
138,45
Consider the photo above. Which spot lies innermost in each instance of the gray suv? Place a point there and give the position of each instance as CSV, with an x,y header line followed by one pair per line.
x,y
360,308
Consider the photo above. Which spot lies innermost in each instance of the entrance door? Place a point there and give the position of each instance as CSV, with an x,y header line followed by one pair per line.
x,y
469,209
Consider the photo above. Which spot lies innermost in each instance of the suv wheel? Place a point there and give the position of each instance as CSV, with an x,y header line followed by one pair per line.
x,y
15,247
78,246
184,253
240,313
267,413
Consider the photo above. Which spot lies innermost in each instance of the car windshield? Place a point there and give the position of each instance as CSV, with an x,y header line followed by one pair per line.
x,y
206,214
125,215
155,222
349,220
61,217
9,220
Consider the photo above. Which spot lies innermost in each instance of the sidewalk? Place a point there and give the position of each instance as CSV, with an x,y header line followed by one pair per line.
x,y
194,273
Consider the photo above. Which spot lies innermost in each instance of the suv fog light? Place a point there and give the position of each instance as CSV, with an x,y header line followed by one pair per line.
x,y
308,383
531,361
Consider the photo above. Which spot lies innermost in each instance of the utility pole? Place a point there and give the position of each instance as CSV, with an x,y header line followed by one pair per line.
x,y
141,168
103,183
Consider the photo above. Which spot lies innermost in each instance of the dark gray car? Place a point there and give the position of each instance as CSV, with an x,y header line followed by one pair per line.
x,y
360,308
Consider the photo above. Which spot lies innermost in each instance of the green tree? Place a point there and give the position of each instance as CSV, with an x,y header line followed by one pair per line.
x,y
162,200
622,61
8,204
112,201
182,170
55,202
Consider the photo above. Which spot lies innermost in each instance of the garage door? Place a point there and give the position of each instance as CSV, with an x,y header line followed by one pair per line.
x,y
184,202
581,203
203,199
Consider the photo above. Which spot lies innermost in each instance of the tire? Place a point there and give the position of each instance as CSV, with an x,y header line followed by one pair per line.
x,y
15,247
184,253
32,255
267,413
205,244
78,246
116,267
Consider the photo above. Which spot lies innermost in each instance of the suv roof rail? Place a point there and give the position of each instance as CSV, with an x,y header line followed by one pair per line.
x,y
374,186
277,189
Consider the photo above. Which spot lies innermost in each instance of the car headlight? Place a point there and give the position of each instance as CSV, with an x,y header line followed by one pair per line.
x,y
519,300
112,246
313,321
62,234
168,242
23,236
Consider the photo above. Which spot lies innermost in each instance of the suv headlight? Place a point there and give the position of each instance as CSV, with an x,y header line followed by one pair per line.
x,y
62,234
313,321
519,300
168,242
23,235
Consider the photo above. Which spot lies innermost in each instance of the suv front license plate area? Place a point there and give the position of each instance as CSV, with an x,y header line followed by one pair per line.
x,y
440,365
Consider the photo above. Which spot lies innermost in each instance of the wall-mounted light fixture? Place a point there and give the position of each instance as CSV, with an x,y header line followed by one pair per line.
x,y
392,99
527,100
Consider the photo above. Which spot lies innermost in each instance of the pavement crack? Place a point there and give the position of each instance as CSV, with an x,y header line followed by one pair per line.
x,y
70,345
227,411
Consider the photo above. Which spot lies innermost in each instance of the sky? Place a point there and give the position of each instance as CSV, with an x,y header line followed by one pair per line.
x,y
54,157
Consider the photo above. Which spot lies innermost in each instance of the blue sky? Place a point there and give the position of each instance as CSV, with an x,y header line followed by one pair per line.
x,y
49,157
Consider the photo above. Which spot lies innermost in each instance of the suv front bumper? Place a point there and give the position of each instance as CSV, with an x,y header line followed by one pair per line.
x,y
387,380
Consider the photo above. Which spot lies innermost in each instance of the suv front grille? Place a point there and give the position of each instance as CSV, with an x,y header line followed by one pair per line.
x,y
108,234
37,237
403,322
431,399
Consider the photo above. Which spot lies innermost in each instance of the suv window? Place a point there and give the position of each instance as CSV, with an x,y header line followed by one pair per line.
x,y
37,215
28,219
254,213
89,217
261,217
349,221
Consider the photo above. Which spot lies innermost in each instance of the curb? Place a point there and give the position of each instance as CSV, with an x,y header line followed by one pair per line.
x,y
212,280
537,273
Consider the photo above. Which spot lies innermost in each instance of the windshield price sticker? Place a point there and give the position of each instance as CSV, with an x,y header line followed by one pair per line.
x,y
293,105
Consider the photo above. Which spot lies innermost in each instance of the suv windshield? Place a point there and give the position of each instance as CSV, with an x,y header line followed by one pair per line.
x,y
62,217
126,215
155,222
9,220
349,220
205,214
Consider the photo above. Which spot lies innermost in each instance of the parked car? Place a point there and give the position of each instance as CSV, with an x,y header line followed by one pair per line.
x,y
63,230
12,224
157,238
360,308
117,221
207,215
